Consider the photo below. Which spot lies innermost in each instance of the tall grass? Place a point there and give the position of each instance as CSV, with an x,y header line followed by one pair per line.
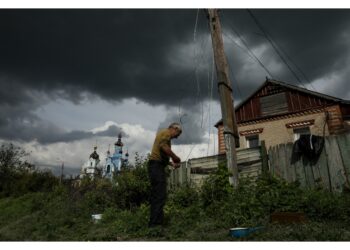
x,y
63,212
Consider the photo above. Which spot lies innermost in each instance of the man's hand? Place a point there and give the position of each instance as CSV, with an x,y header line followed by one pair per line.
x,y
166,149
175,165
176,159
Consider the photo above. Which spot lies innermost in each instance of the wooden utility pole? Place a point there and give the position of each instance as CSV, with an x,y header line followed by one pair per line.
x,y
226,97
62,167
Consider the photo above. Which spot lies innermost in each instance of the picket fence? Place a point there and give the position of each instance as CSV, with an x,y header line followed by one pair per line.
x,y
331,171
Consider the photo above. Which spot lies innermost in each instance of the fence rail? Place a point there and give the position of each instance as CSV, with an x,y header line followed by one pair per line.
x,y
195,170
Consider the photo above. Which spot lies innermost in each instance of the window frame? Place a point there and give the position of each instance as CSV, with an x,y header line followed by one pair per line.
x,y
249,138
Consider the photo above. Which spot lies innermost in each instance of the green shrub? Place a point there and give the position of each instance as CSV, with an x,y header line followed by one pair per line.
x,y
183,196
132,188
276,194
216,186
323,205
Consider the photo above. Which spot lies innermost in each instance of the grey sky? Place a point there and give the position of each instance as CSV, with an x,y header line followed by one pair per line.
x,y
66,72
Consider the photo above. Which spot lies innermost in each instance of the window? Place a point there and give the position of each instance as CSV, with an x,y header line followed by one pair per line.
x,y
108,168
300,131
252,141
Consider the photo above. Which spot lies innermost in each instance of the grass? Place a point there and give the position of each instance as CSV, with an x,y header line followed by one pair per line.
x,y
54,219
206,214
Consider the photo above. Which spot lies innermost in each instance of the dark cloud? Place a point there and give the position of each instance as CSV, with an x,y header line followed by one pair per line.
x,y
119,53
316,40
113,53
194,124
29,127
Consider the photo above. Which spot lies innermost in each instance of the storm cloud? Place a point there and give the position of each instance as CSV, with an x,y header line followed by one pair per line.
x,y
160,57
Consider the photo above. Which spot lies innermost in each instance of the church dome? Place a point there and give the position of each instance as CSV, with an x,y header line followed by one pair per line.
x,y
94,155
119,142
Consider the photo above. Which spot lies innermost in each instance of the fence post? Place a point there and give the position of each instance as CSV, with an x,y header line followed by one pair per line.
x,y
264,158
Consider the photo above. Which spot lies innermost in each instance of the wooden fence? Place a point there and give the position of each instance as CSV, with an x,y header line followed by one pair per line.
x,y
331,171
195,170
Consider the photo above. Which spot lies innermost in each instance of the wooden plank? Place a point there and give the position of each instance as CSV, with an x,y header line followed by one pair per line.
x,y
290,170
199,170
275,162
188,172
323,170
300,173
292,166
317,174
309,177
272,156
344,147
176,177
249,158
264,158
273,104
276,166
286,163
335,164
281,162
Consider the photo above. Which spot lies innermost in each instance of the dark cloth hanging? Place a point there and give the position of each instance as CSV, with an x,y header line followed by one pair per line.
x,y
309,147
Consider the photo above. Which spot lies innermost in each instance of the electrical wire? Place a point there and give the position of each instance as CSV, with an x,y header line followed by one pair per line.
x,y
248,50
274,46
296,66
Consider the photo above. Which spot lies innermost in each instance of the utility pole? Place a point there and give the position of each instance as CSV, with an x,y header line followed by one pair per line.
x,y
226,97
62,167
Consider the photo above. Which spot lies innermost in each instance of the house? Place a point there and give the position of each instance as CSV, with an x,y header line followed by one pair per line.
x,y
278,113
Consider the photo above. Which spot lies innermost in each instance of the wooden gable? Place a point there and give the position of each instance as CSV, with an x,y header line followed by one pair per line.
x,y
274,99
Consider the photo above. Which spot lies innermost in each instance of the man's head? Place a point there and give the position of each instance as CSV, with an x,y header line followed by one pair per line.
x,y
175,130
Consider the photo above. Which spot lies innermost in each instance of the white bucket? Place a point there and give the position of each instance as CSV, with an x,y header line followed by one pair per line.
x,y
96,217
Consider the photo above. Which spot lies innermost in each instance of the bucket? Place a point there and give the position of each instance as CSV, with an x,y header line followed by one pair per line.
x,y
96,217
239,232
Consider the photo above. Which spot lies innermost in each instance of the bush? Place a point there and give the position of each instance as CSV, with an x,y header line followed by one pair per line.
x,y
132,188
183,196
323,205
216,187
276,194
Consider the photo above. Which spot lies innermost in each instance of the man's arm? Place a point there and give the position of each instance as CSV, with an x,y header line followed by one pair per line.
x,y
166,149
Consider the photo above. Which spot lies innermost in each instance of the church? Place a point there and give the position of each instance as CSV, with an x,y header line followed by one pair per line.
x,y
113,162
92,167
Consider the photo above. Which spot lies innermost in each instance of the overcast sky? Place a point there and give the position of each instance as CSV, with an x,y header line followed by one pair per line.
x,y
72,78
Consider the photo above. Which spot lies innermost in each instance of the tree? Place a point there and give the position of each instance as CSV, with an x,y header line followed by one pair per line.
x,y
17,176
11,156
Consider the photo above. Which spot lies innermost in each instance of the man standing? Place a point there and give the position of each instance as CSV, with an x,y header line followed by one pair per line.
x,y
158,161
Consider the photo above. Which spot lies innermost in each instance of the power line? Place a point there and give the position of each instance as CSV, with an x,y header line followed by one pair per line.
x,y
274,46
268,36
248,51
296,66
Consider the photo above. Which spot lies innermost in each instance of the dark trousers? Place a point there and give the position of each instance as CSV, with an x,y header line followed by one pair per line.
x,y
156,172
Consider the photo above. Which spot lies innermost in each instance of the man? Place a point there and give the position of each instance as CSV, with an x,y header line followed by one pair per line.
x,y
158,161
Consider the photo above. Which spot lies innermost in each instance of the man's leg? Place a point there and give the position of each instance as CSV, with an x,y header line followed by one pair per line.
x,y
158,192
